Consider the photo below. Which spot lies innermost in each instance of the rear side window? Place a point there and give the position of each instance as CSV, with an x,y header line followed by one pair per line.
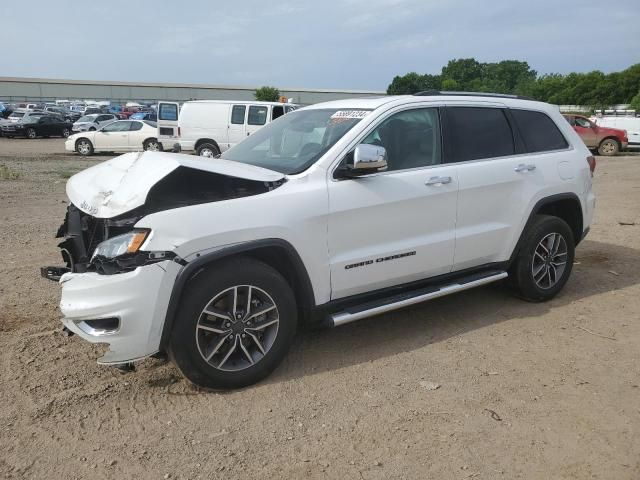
x,y
135,126
168,111
539,132
257,115
474,133
237,114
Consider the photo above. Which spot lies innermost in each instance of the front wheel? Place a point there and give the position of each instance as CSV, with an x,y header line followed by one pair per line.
x,y
84,147
545,259
234,325
31,133
608,147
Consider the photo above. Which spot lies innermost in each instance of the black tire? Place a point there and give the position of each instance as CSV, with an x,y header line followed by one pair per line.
x,y
84,147
92,129
186,338
522,271
609,147
209,150
66,132
31,133
149,144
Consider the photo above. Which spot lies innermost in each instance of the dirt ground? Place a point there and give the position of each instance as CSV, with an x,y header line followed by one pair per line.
x,y
535,391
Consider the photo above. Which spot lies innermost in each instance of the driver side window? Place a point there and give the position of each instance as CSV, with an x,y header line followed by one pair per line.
x,y
581,122
411,139
117,127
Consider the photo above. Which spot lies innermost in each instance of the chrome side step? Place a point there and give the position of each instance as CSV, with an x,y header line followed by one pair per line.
x,y
394,303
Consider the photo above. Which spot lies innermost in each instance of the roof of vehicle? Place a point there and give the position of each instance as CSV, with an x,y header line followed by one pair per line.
x,y
240,102
372,103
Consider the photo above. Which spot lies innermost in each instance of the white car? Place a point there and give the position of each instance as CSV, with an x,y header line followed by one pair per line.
x,y
330,214
209,127
89,123
118,136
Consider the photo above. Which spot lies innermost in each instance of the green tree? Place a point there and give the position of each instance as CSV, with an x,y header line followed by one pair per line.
x,y
412,83
267,94
463,70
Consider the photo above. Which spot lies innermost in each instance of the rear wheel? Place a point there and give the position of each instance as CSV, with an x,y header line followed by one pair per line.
x,y
84,147
65,132
545,259
234,325
152,145
31,133
608,147
92,129
208,150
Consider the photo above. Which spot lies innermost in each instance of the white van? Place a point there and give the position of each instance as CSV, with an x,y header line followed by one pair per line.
x,y
209,127
630,124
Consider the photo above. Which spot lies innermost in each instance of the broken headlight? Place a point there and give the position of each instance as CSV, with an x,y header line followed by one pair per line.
x,y
120,245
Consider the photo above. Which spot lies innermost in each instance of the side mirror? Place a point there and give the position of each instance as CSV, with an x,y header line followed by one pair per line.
x,y
367,159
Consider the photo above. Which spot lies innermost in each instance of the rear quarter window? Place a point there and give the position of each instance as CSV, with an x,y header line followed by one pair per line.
x,y
539,132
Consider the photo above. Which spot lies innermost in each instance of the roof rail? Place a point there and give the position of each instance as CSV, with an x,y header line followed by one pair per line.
x,y
429,93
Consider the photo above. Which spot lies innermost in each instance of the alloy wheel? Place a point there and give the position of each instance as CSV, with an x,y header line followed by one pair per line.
x,y
549,261
206,152
237,328
83,147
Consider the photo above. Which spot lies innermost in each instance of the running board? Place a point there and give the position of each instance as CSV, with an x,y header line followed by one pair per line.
x,y
404,300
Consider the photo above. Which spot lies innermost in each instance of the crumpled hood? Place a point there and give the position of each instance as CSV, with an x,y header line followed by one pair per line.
x,y
121,184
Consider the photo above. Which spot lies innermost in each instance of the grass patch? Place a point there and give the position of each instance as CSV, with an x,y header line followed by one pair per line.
x,y
7,174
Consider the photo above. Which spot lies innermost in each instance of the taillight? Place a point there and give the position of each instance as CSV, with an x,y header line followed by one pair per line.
x,y
178,131
591,160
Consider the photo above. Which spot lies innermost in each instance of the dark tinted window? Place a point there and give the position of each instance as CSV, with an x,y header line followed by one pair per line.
x,y
473,133
257,115
539,132
277,112
237,114
411,138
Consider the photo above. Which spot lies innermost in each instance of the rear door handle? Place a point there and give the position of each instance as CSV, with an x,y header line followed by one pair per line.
x,y
525,168
437,181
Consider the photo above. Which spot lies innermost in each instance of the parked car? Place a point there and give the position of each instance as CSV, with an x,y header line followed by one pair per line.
x,y
607,141
629,124
118,136
63,112
210,127
333,213
35,125
151,116
92,122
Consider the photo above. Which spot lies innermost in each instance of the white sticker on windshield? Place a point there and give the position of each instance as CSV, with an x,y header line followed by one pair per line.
x,y
350,114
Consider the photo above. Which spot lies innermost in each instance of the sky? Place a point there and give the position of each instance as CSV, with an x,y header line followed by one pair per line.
x,y
348,44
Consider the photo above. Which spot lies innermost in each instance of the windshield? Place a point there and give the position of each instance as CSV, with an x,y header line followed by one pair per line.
x,y
293,142
86,118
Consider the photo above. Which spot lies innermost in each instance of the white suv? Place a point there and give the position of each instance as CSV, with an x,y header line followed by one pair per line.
x,y
330,214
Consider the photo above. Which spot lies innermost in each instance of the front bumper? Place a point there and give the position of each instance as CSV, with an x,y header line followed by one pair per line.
x,y
70,145
137,299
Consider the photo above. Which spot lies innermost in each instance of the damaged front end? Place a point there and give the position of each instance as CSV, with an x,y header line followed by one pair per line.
x,y
107,201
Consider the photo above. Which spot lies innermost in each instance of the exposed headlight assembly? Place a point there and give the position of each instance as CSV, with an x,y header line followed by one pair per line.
x,y
120,245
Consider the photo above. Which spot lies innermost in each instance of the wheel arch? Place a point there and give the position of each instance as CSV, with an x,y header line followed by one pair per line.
x,y
566,206
277,253
200,141
611,137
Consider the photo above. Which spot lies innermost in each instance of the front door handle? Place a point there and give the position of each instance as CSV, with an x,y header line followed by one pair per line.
x,y
525,168
437,181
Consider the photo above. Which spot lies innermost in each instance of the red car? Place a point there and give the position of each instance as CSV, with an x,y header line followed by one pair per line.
x,y
608,141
